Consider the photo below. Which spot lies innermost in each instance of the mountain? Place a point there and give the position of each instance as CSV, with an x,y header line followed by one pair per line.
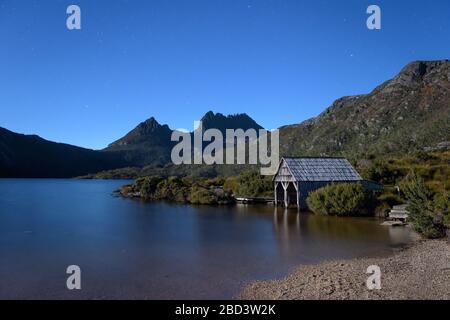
x,y
148,143
33,157
407,113
235,121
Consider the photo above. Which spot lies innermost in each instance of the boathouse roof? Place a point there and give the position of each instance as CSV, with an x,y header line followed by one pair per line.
x,y
320,169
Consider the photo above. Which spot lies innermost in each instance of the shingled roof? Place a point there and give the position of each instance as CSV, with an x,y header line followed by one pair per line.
x,y
322,169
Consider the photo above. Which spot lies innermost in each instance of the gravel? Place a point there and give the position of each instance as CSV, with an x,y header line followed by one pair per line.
x,y
418,272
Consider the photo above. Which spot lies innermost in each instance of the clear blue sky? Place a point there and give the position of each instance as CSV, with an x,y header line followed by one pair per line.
x,y
280,61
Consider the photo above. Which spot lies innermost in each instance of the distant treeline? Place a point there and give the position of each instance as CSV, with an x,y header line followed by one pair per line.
x,y
199,190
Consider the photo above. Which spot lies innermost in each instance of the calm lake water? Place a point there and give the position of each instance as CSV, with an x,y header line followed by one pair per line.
x,y
129,249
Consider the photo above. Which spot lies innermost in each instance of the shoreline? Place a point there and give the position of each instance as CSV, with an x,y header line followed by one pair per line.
x,y
420,270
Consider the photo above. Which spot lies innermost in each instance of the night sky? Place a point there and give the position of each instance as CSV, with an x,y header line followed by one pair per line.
x,y
280,61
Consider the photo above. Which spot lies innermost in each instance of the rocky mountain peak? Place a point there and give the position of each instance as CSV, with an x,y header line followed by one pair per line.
x,y
234,121
149,126
403,114
417,74
146,132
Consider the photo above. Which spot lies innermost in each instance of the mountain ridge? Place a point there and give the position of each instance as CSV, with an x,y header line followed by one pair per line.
x,y
405,113
149,143
30,156
408,113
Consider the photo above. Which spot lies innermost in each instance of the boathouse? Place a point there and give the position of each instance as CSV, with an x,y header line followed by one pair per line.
x,y
297,177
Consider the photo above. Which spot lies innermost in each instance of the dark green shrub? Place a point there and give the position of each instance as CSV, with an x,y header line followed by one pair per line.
x,y
390,199
341,199
425,217
231,184
201,195
181,189
424,156
172,189
214,182
380,171
128,189
253,184
441,203
148,186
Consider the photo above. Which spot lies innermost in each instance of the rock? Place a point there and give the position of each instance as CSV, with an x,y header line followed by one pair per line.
x,y
443,146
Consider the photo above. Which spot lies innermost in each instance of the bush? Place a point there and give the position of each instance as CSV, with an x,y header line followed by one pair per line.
x,y
425,215
231,184
381,171
172,189
201,195
253,184
441,203
214,182
391,199
186,189
148,186
128,189
341,199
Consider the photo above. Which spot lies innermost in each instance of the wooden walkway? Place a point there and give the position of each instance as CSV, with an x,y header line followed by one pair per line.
x,y
255,200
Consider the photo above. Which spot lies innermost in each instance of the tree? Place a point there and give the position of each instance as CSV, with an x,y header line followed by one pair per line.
x,y
340,199
424,216
253,184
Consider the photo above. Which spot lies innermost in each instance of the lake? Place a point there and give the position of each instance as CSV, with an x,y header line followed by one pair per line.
x,y
135,250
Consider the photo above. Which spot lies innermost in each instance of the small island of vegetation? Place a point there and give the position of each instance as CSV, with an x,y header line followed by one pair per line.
x,y
420,181
199,190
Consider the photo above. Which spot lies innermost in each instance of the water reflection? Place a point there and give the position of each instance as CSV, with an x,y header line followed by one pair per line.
x,y
286,225
131,249
311,237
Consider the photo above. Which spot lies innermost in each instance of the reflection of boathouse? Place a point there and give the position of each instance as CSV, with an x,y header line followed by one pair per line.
x,y
297,177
